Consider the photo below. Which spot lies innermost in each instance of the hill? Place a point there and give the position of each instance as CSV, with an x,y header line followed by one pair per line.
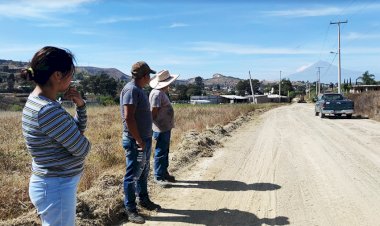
x,y
217,79
112,72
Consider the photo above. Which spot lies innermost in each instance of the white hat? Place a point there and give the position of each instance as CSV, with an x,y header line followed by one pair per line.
x,y
162,79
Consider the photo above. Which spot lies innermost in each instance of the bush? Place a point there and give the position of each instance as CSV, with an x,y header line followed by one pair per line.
x,y
15,107
106,100
367,103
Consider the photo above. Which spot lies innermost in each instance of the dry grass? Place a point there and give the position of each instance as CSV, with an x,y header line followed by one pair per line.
x,y
104,132
367,103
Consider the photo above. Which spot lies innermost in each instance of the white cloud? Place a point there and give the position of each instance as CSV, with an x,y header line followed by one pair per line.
x,y
53,24
175,25
38,9
361,50
305,12
321,11
112,20
238,49
360,36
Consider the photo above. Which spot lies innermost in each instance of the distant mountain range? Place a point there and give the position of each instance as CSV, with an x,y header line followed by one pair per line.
x,y
328,73
113,72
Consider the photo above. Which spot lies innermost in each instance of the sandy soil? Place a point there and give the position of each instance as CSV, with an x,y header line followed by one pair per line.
x,y
288,167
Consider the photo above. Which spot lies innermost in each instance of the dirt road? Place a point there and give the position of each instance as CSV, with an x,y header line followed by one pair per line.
x,y
288,167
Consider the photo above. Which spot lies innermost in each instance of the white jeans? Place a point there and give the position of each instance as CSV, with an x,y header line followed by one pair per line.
x,y
54,199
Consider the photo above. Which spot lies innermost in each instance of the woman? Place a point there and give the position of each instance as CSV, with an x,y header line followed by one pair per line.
x,y
53,137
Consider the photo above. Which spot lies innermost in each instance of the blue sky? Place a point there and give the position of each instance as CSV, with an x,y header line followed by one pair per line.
x,y
196,38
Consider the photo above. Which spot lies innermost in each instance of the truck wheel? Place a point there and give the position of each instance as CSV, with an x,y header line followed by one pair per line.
x,y
349,116
321,115
316,113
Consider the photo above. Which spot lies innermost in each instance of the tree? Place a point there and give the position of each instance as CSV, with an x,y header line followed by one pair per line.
x,y
101,84
193,90
199,82
286,86
11,82
243,87
367,78
79,76
181,90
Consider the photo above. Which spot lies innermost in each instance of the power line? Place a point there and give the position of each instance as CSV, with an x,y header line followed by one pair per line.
x,y
330,65
324,41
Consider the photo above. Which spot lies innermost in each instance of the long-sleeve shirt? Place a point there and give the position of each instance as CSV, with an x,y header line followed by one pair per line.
x,y
54,138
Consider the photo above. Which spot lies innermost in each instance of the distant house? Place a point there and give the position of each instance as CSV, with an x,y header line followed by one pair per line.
x,y
364,88
234,99
205,99
278,98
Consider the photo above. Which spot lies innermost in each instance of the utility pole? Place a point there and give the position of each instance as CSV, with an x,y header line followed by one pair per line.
x,y
339,72
319,80
250,81
279,89
316,87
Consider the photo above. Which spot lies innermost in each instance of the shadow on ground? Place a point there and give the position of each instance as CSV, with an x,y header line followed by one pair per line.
x,y
225,185
221,217
344,117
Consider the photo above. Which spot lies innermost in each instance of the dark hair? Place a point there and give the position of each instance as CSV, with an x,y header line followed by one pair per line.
x,y
46,61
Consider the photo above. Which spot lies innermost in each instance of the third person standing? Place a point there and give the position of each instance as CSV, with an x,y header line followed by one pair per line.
x,y
163,123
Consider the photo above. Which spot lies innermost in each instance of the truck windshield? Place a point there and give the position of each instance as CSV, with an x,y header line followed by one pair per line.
x,y
333,97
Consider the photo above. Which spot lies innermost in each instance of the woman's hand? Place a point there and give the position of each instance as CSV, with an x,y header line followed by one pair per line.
x,y
74,95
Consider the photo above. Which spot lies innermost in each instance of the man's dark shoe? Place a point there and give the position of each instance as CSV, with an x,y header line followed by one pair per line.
x,y
149,205
169,178
160,182
134,217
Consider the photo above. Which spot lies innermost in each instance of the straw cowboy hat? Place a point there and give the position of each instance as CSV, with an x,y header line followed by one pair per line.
x,y
162,79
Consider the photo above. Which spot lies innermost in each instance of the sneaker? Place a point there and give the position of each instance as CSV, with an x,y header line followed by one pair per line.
x,y
162,183
134,217
169,178
149,205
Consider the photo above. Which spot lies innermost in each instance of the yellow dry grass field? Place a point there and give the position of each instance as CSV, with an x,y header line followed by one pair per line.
x,y
104,132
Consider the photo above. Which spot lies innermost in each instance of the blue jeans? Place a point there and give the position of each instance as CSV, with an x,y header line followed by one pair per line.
x,y
161,154
54,198
131,186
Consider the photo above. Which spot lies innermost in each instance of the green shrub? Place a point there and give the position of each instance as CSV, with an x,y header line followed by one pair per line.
x,y
15,107
106,100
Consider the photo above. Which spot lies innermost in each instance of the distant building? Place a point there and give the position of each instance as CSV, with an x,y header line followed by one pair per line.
x,y
278,98
205,99
234,99
364,88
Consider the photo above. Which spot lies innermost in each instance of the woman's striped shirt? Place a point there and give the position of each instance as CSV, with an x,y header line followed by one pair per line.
x,y
54,138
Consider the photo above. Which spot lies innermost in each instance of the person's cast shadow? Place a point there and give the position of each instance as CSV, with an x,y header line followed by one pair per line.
x,y
225,185
221,217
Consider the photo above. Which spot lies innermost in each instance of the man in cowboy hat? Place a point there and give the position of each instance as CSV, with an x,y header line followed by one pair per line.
x,y
137,136
163,122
